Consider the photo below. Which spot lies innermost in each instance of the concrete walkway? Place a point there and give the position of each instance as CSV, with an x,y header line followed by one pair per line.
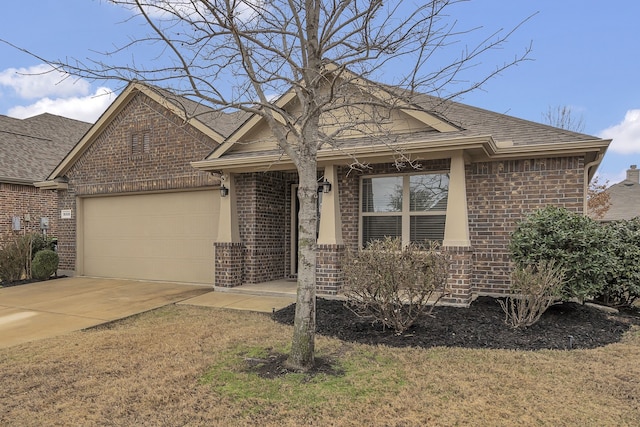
x,y
45,309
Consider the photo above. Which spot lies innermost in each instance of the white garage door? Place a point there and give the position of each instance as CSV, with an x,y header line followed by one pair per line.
x,y
166,236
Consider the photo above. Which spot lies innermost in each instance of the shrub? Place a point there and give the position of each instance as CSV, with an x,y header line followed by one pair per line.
x,y
622,286
533,290
44,264
393,284
13,257
575,242
40,242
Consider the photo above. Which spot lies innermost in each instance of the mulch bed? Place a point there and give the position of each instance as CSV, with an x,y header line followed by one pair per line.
x,y
4,284
563,326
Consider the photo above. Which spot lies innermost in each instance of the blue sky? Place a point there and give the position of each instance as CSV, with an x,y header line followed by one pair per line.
x,y
586,55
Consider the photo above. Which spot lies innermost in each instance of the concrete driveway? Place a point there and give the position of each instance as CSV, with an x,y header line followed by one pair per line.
x,y
46,309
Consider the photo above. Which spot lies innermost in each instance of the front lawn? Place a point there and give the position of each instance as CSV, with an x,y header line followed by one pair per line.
x,y
183,365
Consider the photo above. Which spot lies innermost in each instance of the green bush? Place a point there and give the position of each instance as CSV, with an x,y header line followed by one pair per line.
x,y
533,290
622,286
44,264
575,242
40,242
393,284
13,258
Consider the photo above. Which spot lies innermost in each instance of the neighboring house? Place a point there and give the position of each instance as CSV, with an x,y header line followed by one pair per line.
x,y
29,150
624,197
143,189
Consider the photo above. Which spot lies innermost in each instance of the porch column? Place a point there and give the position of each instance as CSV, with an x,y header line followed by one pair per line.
x,y
456,230
330,244
228,248
456,236
330,232
228,231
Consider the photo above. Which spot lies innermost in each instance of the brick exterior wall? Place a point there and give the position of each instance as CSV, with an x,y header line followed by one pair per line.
x,y
110,167
21,200
229,264
500,194
263,221
329,277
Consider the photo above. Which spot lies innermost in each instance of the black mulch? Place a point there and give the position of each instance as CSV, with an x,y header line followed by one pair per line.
x,y
7,284
563,326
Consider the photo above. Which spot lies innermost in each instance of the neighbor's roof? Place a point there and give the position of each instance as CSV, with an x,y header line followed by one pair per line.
x,y
30,148
624,199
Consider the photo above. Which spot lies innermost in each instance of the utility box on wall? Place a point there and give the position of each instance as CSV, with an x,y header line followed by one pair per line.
x,y
15,223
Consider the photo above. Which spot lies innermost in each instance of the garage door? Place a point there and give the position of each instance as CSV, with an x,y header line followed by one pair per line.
x,y
167,236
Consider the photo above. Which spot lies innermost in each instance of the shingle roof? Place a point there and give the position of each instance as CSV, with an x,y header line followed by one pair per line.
x,y
474,121
222,122
31,148
625,201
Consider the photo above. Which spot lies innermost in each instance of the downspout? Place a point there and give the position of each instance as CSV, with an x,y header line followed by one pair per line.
x,y
587,167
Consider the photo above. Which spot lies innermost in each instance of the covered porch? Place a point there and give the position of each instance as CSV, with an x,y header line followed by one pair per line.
x,y
256,249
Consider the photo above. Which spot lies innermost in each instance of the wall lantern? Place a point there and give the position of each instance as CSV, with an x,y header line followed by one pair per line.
x,y
224,191
324,186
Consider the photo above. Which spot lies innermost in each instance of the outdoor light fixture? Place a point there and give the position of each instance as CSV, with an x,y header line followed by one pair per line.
x,y
224,191
324,186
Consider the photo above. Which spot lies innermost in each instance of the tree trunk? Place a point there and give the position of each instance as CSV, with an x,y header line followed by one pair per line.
x,y
303,343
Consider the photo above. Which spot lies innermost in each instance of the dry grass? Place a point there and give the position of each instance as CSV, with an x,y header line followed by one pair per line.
x,y
181,365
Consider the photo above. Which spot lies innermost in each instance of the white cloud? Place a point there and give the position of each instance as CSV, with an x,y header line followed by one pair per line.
x,y
86,108
625,135
42,80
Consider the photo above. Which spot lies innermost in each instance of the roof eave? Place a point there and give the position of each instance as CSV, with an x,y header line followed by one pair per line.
x,y
16,181
478,148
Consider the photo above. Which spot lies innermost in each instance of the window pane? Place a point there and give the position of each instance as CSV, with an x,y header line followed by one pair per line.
x,y
378,227
427,227
382,194
428,192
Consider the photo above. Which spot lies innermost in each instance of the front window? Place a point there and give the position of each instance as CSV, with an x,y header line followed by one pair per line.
x,y
412,207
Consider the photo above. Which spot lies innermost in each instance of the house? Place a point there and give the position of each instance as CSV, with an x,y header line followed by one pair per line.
x,y
624,197
29,150
162,188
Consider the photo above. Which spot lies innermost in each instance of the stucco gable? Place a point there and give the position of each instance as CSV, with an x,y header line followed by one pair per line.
x,y
362,108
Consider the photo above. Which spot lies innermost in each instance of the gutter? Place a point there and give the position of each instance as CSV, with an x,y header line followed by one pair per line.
x,y
587,168
17,181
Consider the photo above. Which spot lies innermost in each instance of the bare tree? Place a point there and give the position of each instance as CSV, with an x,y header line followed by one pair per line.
x,y
598,200
238,54
563,117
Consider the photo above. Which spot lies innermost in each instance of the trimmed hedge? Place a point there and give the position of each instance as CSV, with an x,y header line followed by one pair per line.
x,y
44,264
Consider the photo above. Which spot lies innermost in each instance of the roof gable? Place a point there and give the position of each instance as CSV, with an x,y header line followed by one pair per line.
x,y
200,117
370,110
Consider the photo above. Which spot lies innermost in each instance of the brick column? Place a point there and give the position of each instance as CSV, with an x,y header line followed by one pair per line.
x,y
460,275
329,276
228,264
